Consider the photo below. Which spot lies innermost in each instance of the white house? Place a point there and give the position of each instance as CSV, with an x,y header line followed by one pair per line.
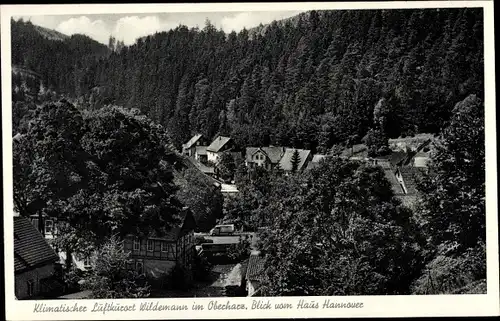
x,y
219,145
266,157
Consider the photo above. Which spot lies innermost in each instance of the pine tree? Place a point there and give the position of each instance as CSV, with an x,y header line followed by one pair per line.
x,y
295,160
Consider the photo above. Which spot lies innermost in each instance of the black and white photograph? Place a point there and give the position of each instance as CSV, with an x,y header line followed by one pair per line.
x,y
236,154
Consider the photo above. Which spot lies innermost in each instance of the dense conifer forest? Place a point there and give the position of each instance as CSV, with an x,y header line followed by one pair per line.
x,y
311,81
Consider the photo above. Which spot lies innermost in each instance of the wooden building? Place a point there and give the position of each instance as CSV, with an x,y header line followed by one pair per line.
x,y
157,255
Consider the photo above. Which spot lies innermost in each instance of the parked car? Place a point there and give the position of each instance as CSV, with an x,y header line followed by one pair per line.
x,y
220,230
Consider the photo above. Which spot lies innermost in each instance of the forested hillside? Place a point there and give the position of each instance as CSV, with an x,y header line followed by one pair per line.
x,y
61,60
312,81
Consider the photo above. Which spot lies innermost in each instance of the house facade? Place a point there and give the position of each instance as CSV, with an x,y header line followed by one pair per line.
x,y
266,157
34,261
219,145
156,256
189,148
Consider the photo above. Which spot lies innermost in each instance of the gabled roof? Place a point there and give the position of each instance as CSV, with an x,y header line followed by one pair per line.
x,y
192,141
255,267
274,154
218,143
30,248
185,222
286,160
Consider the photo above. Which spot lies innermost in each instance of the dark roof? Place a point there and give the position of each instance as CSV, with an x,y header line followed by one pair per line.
x,y
30,248
396,186
201,150
397,157
355,150
274,154
409,175
218,143
286,160
192,141
185,222
255,267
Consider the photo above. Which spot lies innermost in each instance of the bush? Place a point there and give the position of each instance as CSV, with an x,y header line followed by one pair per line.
x,y
240,251
179,278
201,268
447,274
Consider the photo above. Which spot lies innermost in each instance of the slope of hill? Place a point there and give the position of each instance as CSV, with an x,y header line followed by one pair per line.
x,y
51,34
58,58
309,81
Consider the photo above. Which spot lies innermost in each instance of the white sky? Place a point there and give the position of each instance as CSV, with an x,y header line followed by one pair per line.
x,y
132,26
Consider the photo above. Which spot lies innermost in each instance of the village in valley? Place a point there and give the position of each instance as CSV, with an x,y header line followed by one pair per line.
x,y
309,156
156,257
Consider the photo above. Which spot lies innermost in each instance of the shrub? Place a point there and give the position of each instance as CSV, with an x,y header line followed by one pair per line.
x,y
201,268
447,274
240,251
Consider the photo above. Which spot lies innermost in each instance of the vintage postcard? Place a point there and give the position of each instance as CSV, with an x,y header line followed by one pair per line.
x,y
251,160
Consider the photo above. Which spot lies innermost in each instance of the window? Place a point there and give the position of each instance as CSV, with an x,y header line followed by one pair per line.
x,y
31,288
139,267
150,245
164,246
49,224
86,260
137,244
